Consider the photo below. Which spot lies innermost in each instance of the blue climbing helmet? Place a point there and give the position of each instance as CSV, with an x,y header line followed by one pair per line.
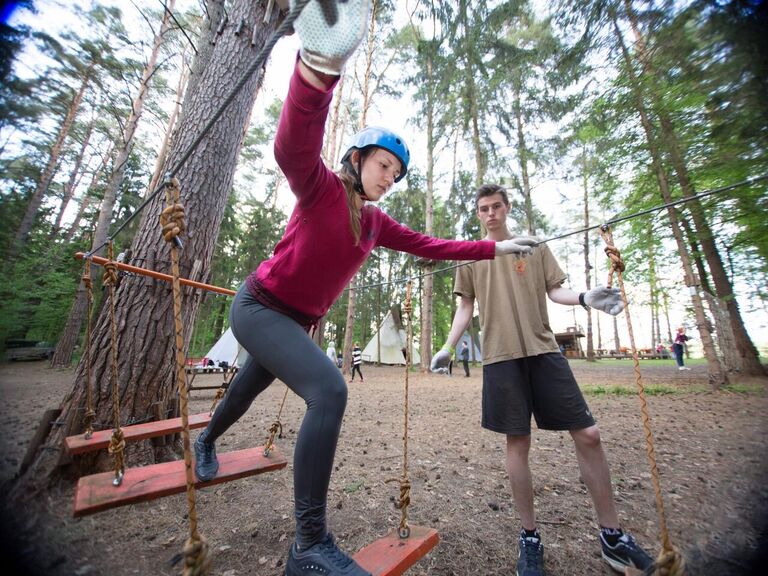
x,y
381,138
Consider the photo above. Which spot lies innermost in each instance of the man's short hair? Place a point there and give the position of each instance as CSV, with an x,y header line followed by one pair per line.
x,y
490,190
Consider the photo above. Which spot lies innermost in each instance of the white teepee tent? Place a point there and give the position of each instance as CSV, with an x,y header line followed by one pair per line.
x,y
393,341
227,350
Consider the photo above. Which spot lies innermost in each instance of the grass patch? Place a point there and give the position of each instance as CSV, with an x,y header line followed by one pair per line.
x,y
752,389
650,390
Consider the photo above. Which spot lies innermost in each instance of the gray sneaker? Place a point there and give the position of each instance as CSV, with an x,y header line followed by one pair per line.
x,y
323,559
626,553
530,560
206,463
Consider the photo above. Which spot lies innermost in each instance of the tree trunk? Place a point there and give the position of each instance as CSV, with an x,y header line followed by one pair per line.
x,y
428,285
522,154
69,187
87,200
33,206
349,328
144,310
750,359
717,377
587,265
63,356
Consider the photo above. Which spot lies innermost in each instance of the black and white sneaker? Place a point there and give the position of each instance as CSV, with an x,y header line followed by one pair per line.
x,y
323,559
530,560
626,553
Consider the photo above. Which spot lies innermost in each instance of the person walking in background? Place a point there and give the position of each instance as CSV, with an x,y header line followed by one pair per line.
x,y
524,374
357,361
334,227
331,351
678,348
464,357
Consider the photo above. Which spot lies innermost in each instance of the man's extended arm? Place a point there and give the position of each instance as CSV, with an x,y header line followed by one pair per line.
x,y
601,298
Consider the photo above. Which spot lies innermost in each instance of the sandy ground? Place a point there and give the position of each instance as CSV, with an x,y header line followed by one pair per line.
x,y
710,447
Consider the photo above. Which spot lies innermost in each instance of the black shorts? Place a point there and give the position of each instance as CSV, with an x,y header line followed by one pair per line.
x,y
540,385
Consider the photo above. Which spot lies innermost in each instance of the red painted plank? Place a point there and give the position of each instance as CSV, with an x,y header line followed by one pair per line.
x,y
96,493
100,440
392,555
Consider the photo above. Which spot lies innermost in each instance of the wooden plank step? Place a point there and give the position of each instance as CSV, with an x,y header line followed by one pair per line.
x,y
100,440
392,555
96,493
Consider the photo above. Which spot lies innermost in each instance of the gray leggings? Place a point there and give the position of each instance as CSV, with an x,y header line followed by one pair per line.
x,y
280,348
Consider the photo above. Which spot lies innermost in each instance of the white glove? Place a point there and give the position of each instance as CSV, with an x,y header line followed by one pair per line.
x,y
518,245
605,299
326,47
440,361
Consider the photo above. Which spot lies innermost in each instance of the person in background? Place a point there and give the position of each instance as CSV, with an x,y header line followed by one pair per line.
x,y
333,228
525,373
357,362
678,348
331,351
464,357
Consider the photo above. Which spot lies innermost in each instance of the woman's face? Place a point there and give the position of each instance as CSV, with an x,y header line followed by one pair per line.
x,y
379,171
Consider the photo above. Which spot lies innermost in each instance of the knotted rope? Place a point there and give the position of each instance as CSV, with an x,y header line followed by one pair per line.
x,y
669,562
90,413
405,484
276,430
117,441
196,559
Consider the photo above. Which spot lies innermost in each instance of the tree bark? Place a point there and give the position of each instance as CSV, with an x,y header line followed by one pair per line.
x,y
587,265
144,309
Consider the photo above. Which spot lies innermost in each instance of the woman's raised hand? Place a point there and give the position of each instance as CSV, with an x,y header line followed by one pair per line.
x,y
327,46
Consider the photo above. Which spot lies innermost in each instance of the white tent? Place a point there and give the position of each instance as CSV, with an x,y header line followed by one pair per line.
x,y
227,350
393,341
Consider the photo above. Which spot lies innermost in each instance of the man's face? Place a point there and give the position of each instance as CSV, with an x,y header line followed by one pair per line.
x,y
492,212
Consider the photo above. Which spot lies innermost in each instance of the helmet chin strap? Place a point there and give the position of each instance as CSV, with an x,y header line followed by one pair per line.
x,y
356,173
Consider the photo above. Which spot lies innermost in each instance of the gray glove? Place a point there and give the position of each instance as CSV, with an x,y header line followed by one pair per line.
x,y
518,245
605,299
440,361
326,47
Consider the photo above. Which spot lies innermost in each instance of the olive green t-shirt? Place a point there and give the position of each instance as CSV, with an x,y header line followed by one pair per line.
x,y
511,293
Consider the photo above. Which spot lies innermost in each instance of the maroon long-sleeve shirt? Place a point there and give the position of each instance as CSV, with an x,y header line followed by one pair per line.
x,y
317,256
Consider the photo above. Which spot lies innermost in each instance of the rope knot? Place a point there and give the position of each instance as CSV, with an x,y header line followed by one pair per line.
x,y
110,274
196,559
172,221
615,256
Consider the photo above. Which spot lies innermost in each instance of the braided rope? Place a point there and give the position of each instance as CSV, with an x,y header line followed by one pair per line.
x,y
405,484
669,562
196,559
90,413
276,430
117,442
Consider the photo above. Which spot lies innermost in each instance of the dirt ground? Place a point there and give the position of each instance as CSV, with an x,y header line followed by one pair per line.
x,y
710,447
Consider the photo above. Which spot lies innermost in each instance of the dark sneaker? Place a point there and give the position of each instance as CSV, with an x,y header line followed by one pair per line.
x,y
206,463
530,561
626,553
322,559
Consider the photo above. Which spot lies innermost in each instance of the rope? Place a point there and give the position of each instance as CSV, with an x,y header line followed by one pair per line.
x,y
196,559
90,413
405,484
276,430
669,562
117,441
